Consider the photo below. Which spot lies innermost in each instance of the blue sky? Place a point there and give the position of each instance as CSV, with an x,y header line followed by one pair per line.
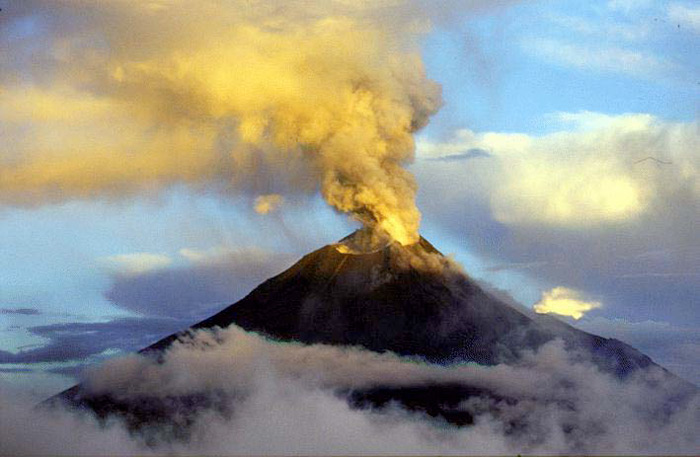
x,y
564,76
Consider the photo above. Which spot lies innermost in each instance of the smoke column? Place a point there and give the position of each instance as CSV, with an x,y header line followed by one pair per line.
x,y
111,99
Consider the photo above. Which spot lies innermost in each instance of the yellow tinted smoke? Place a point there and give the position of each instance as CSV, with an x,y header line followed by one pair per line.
x,y
339,94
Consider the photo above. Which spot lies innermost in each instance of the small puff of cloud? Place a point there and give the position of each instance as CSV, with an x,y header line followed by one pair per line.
x,y
269,203
565,302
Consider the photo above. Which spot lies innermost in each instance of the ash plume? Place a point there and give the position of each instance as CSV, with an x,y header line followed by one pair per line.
x,y
129,98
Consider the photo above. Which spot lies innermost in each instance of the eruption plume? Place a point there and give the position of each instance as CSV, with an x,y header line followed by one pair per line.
x,y
133,97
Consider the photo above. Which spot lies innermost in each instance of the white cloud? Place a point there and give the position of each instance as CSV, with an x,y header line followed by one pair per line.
x,y
590,173
564,302
137,263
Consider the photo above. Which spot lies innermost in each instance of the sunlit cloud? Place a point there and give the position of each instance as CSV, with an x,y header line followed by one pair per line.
x,y
564,302
595,170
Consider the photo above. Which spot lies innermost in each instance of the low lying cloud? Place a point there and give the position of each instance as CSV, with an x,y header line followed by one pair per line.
x,y
282,398
564,302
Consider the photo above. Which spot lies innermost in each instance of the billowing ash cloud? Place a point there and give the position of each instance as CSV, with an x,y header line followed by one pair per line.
x,y
106,99
287,398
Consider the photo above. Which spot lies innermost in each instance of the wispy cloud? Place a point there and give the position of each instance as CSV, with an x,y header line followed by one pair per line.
x,y
21,311
628,5
16,370
599,58
473,153
517,266
137,263
600,28
659,275
685,15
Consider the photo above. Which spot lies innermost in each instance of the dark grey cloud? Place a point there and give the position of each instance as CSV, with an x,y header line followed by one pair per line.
x,y
77,341
195,291
21,311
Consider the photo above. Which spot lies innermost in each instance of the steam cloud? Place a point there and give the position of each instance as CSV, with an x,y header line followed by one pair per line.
x,y
107,99
287,398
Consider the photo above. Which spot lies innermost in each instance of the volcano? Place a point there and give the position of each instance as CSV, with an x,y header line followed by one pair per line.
x,y
370,292
410,300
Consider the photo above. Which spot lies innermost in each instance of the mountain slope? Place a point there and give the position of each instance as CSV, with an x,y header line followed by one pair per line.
x,y
408,300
